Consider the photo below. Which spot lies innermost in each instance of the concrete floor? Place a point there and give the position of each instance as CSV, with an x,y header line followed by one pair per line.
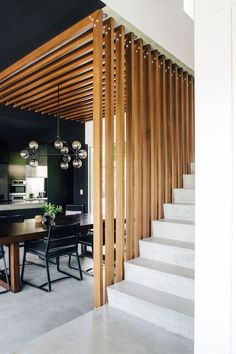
x,y
108,331
33,312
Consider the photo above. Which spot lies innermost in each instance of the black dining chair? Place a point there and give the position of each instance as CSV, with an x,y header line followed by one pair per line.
x,y
62,240
4,270
72,209
11,218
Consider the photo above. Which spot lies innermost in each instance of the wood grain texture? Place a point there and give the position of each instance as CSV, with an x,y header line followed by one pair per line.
x,y
160,136
146,143
186,122
109,153
138,111
154,135
120,155
97,163
130,102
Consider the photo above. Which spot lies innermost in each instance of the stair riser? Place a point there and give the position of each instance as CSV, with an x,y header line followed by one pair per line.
x,y
189,181
179,212
166,282
170,320
192,168
184,196
173,231
167,254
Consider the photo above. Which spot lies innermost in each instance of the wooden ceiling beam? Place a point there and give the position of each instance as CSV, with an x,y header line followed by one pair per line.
x,y
72,32
51,71
80,77
52,79
50,58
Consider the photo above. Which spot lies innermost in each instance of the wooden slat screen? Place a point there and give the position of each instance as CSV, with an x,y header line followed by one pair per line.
x,y
147,102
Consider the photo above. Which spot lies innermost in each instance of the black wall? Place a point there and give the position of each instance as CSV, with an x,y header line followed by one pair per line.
x,y
18,127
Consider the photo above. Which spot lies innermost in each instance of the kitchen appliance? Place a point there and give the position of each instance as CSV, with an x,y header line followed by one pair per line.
x,y
17,190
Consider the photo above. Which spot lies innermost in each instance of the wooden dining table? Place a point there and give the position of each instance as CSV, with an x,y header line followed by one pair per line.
x,y
13,234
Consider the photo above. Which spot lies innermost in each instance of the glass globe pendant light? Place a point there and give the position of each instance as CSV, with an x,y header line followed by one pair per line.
x,y
65,151
82,154
77,163
24,154
64,165
58,143
33,145
33,163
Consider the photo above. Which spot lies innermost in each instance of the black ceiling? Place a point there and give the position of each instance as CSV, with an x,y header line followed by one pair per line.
x,y
24,26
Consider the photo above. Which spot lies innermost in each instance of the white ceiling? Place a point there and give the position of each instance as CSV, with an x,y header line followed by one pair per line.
x,y
164,21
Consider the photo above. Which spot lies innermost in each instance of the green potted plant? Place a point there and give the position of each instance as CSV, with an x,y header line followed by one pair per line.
x,y
49,212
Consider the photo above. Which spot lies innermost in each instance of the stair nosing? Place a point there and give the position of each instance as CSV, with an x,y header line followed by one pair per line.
x,y
123,285
158,263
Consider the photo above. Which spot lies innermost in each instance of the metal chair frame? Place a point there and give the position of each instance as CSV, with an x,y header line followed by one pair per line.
x,y
53,250
2,256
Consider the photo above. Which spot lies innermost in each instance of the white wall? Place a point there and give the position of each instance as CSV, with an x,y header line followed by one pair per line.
x,y
164,21
215,45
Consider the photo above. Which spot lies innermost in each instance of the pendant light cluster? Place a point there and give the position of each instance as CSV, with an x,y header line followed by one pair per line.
x,y
69,153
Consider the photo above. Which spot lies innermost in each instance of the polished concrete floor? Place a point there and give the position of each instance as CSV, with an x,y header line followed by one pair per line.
x,y
33,312
108,331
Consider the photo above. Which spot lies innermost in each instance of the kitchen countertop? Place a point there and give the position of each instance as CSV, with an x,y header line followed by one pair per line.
x,y
26,204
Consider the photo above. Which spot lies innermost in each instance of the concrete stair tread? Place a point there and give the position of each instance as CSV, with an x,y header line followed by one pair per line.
x,y
185,222
156,297
163,267
108,330
177,211
169,242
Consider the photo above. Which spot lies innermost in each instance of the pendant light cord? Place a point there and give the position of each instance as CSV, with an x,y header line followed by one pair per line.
x,y
58,111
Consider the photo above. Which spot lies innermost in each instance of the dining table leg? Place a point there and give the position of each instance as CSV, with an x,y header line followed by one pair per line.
x,y
15,267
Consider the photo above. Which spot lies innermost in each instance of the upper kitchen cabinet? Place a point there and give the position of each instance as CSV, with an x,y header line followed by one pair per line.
x,y
39,171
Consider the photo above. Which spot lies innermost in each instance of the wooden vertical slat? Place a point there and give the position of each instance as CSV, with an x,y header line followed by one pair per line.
x,y
186,122
154,134
191,118
146,144
120,153
129,147
167,132
97,160
137,131
160,136
177,127
109,152
181,120
174,141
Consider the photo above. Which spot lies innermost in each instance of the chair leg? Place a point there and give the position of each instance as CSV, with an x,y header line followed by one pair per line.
x,y
6,274
69,261
79,265
48,275
23,267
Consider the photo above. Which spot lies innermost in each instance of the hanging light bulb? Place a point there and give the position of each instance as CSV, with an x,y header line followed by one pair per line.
x,y
24,154
33,145
66,158
77,163
76,145
64,165
82,154
33,163
58,144
64,150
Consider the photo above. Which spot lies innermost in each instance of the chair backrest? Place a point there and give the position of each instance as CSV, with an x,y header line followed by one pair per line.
x,y
11,218
1,251
72,209
62,239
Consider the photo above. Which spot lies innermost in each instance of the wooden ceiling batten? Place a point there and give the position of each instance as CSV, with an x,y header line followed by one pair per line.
x,y
66,60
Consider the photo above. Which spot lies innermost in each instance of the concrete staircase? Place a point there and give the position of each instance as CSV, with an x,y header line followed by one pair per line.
x,y
152,310
159,285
